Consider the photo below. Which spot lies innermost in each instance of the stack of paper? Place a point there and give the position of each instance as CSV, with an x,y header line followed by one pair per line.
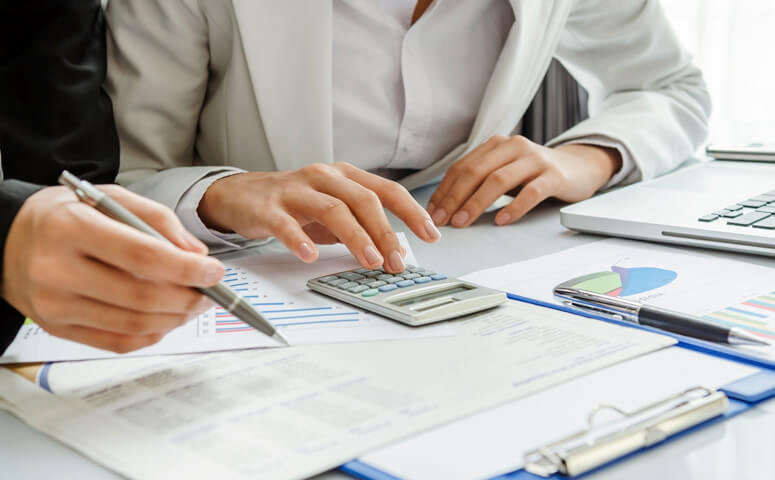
x,y
291,413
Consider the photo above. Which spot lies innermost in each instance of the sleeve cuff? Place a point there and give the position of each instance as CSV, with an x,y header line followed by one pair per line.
x,y
187,211
628,163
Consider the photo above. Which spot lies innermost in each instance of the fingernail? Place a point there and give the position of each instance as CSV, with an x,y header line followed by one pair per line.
x,y
396,262
372,256
403,252
306,252
213,271
430,208
438,216
502,218
460,218
433,232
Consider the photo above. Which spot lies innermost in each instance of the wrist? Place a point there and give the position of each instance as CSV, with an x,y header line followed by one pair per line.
x,y
211,207
604,161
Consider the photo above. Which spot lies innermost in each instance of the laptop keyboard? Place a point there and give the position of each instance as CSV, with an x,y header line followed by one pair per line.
x,y
757,212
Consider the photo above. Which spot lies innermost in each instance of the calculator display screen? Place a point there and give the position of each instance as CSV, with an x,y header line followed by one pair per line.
x,y
432,295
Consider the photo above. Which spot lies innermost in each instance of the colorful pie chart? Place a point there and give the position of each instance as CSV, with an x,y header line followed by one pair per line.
x,y
623,282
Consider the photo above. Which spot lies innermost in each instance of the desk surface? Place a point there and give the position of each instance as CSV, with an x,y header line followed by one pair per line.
x,y
740,448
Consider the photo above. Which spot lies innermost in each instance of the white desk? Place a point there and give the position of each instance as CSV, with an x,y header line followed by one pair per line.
x,y
741,448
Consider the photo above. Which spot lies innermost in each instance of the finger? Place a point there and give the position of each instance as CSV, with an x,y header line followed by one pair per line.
x,y
472,173
398,200
133,251
106,284
288,230
365,205
320,234
335,215
454,172
114,342
497,183
161,218
58,309
531,195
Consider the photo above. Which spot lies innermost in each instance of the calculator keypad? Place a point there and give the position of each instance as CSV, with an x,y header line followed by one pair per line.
x,y
369,283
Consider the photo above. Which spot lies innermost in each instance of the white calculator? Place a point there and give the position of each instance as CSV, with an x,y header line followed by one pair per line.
x,y
416,296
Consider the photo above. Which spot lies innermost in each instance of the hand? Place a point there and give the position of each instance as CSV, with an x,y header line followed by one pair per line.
x,y
318,204
86,277
569,172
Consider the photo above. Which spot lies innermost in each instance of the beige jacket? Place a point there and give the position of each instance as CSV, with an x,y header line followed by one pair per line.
x,y
202,86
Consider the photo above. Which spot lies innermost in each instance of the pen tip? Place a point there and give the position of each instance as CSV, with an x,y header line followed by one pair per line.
x,y
279,339
741,337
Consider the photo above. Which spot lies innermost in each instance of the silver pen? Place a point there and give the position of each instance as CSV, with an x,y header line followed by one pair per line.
x,y
656,317
220,294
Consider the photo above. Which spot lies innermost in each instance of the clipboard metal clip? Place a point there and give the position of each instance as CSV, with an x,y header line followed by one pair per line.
x,y
604,441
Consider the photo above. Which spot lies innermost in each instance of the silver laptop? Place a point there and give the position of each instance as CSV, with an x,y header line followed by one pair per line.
x,y
728,205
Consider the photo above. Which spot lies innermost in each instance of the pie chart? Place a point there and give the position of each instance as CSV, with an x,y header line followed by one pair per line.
x,y
623,282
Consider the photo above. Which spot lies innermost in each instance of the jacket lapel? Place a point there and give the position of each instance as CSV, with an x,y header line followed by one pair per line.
x,y
288,48
522,64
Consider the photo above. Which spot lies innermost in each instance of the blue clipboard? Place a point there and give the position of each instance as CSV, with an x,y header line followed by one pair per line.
x,y
743,394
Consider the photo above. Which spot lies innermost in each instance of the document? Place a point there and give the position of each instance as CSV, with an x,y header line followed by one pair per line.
x,y
493,442
275,284
292,413
725,292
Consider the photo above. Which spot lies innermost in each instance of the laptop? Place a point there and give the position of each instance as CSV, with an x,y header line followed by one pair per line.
x,y
727,205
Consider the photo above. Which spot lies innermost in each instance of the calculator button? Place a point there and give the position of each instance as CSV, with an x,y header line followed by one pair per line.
x,y
347,285
427,273
370,292
375,284
753,203
438,276
384,276
708,218
327,278
734,214
768,223
405,283
395,280
337,282
734,208
365,281
387,288
411,276
357,289
422,280
748,219
411,268
352,276
361,270
767,209
763,198
373,273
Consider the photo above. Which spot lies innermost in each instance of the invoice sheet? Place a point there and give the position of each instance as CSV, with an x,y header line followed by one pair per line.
x,y
294,412
493,442
275,284
726,292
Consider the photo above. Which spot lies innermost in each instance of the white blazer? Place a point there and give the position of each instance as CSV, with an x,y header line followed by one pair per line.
x,y
201,86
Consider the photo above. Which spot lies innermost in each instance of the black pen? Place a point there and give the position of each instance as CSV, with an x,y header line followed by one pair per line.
x,y
221,294
657,317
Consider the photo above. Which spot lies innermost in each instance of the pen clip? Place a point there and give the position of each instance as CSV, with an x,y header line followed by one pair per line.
x,y
85,191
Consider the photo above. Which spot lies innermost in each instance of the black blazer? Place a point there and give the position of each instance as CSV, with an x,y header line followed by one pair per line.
x,y
53,111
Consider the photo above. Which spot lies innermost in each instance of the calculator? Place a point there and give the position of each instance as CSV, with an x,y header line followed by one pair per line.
x,y
416,296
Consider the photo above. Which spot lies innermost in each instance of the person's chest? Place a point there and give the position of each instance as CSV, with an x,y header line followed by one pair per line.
x,y
405,93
